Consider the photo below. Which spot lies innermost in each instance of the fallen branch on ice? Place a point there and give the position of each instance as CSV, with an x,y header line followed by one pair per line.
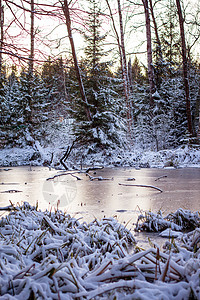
x,y
93,169
11,191
164,176
58,175
97,178
142,185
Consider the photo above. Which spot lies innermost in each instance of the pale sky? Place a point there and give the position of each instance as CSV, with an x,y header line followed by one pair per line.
x,y
52,38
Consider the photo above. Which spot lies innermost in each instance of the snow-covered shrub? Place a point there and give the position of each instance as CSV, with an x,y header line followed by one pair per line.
x,y
180,220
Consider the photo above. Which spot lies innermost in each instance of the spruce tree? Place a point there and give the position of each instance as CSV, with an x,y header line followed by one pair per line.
x,y
103,130
16,115
54,77
33,106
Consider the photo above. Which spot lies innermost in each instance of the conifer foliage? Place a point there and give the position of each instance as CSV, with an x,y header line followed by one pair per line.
x,y
98,81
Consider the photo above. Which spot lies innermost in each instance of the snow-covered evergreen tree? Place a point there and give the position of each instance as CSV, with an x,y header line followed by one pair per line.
x,y
103,130
33,106
16,116
54,77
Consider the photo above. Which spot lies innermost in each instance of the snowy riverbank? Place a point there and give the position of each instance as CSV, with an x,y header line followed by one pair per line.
x,y
180,157
50,255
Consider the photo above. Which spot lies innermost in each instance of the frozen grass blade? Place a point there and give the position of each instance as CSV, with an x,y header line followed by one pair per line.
x,y
165,271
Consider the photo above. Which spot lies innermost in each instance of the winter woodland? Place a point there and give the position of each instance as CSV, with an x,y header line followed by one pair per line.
x,y
102,97
109,83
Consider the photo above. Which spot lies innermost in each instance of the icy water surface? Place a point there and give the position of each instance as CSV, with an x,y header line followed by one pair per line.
x,y
96,199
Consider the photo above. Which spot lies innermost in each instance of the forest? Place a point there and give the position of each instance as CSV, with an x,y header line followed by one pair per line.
x,y
115,85
121,73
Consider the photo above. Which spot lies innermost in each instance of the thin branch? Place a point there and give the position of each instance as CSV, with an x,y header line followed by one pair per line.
x,y
142,185
58,175
163,176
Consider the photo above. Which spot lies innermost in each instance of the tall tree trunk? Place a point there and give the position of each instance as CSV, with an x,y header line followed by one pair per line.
x,y
185,68
198,111
159,56
198,132
1,33
124,69
116,33
122,57
156,30
130,75
65,8
31,61
31,64
149,52
67,96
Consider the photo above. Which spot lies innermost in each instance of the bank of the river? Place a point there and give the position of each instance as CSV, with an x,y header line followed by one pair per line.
x,y
180,157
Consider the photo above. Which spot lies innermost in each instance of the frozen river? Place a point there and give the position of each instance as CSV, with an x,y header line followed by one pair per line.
x,y
96,199
181,188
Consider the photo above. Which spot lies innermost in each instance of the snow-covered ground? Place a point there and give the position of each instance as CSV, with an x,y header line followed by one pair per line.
x,y
50,255
61,138
37,155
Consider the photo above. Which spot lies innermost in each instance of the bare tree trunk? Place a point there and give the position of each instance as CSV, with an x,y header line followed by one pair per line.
x,y
31,62
198,111
198,133
130,75
67,96
159,57
122,55
185,68
155,29
116,33
124,68
149,52
65,8
1,33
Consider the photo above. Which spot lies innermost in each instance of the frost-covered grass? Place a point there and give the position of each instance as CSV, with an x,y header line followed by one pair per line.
x,y
180,220
50,255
